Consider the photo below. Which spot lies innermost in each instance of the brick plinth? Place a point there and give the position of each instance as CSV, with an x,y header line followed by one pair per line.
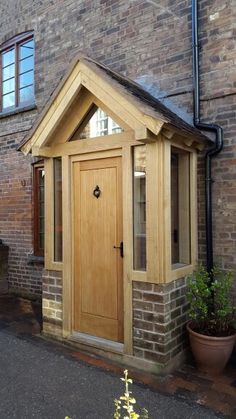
x,y
52,302
159,319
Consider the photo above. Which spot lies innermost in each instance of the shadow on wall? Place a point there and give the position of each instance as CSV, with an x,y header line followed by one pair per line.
x,y
3,268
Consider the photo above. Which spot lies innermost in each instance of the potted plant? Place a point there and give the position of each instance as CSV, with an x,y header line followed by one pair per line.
x,y
212,328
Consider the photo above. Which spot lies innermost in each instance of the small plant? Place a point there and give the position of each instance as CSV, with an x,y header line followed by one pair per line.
x,y
126,402
211,309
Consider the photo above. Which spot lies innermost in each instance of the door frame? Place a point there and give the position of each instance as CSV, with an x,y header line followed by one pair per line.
x,y
108,327
68,245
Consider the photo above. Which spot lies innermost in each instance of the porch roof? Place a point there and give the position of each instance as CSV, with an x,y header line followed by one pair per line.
x,y
149,109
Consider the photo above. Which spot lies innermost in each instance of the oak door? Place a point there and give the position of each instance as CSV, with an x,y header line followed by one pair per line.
x,y
98,289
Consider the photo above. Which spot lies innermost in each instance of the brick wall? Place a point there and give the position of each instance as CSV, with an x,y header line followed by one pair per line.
x,y
131,37
159,320
52,302
3,268
16,213
151,43
218,103
136,37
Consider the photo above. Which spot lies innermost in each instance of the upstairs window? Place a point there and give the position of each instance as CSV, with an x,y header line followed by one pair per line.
x,y
17,72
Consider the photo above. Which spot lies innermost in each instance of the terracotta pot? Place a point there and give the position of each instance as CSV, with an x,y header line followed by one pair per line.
x,y
211,353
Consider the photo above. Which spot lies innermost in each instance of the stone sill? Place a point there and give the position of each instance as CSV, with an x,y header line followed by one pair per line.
x,y
35,260
16,111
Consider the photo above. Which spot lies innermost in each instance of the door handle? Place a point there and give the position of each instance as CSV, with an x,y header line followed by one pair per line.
x,y
121,247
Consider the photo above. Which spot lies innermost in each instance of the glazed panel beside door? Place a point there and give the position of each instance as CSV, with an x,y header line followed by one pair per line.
x,y
98,293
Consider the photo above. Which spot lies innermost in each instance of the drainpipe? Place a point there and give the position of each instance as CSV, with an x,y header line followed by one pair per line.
x,y
216,129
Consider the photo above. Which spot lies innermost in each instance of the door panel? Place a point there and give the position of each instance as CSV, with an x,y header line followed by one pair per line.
x,y
98,265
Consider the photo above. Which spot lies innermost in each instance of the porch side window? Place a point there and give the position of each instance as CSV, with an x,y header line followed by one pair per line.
x,y
57,210
139,208
17,72
180,208
38,190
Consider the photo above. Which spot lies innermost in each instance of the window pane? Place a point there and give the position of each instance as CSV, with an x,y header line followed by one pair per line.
x,y
8,86
27,49
8,72
41,208
8,100
39,211
41,200
18,77
26,79
41,196
41,241
180,208
174,207
8,57
26,64
139,207
95,124
57,210
26,94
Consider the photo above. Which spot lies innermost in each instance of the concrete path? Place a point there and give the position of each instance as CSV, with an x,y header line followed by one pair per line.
x,y
39,380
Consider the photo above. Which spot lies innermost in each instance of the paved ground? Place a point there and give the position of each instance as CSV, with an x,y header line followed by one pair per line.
x,y
39,382
44,380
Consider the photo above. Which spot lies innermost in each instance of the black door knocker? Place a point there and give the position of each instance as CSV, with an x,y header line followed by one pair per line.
x,y
97,192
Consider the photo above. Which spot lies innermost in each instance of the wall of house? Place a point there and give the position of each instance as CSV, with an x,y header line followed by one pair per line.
x,y
150,41
218,104
3,269
134,37
16,205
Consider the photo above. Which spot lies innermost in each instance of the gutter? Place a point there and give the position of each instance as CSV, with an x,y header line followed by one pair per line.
x,y
219,138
